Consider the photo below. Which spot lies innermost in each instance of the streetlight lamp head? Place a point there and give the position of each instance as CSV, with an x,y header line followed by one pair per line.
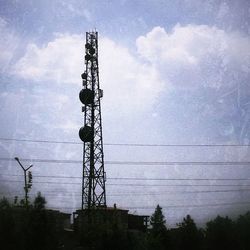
x,y
16,158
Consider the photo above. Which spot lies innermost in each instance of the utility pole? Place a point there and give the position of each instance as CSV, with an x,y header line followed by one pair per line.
x,y
25,180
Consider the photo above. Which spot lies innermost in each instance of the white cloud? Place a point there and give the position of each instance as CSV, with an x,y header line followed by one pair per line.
x,y
191,55
60,61
196,54
129,84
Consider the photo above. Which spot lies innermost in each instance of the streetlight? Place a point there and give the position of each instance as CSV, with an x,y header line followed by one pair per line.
x,y
25,180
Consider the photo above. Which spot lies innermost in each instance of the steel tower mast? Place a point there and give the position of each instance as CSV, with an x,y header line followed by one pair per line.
x,y
94,177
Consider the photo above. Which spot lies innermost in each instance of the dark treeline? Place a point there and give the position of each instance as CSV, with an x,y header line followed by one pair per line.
x,y
33,228
27,227
221,233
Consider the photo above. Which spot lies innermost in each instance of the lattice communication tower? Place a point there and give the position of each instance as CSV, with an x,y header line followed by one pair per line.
x,y
94,177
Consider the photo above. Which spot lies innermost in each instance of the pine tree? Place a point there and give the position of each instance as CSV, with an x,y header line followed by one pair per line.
x,y
158,238
157,220
39,202
189,235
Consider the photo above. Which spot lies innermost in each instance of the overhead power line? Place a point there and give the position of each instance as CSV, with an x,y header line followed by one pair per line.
x,y
69,194
127,144
183,206
143,163
137,178
40,141
195,205
131,184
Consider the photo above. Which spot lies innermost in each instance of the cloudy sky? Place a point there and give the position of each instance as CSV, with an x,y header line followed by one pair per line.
x,y
173,73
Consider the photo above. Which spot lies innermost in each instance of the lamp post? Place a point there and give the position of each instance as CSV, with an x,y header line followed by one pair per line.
x,y
25,179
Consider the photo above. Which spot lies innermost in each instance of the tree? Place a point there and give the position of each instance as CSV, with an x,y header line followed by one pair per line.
x,y
7,240
220,234
158,237
157,220
4,204
190,238
243,231
27,229
39,202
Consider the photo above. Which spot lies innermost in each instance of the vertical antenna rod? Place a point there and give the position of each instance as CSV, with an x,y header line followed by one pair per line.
x,y
93,181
